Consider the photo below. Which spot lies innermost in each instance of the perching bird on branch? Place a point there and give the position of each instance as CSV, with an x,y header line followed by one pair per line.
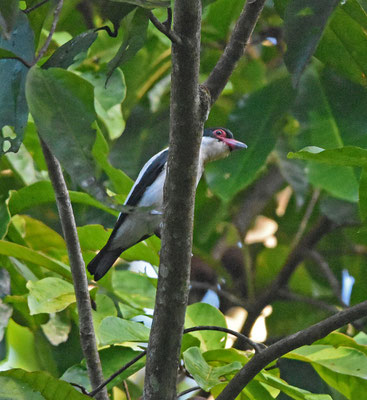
x,y
132,228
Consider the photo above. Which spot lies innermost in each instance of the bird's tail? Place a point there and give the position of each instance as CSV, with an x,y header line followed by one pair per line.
x,y
102,262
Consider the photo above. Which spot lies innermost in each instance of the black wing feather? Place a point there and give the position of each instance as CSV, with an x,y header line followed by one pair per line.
x,y
148,178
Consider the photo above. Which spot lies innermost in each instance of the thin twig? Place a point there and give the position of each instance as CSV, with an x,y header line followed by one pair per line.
x,y
287,295
165,28
302,226
82,388
168,21
258,347
117,373
329,275
220,292
30,9
86,329
24,62
44,48
192,389
298,253
126,389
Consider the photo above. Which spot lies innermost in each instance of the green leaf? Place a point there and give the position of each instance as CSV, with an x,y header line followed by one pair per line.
x,y
61,104
338,339
204,314
105,308
133,42
254,122
6,53
344,43
121,182
135,289
8,14
147,3
343,368
345,156
65,55
26,254
57,329
292,391
13,105
4,218
49,295
42,193
204,374
17,384
343,360
304,23
112,359
94,237
114,330
363,194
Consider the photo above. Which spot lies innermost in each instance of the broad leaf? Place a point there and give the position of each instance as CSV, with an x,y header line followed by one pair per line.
x,y
133,41
19,384
112,359
147,3
254,122
42,193
49,295
66,54
204,374
61,104
345,156
344,43
120,181
9,10
4,218
304,23
204,314
13,105
26,254
292,391
135,289
114,330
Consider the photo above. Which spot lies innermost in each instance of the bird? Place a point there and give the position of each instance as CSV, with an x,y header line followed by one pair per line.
x,y
147,191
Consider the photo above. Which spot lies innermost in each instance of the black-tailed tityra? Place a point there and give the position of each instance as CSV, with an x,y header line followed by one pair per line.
x,y
131,228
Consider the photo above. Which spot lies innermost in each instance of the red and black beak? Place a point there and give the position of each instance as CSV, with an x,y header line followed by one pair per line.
x,y
233,144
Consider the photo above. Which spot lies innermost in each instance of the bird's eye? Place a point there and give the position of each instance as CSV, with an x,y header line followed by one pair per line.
x,y
220,133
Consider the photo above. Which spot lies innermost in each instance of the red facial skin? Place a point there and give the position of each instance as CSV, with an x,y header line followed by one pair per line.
x,y
233,144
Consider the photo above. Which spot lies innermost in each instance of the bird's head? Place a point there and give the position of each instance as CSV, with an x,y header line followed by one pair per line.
x,y
218,143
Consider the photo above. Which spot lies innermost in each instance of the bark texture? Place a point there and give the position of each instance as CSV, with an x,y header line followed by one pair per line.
x,y
175,258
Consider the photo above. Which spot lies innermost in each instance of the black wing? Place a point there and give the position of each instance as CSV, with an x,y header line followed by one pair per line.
x,y
148,177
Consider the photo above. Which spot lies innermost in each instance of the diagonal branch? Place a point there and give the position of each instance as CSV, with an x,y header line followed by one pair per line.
x,y
55,20
299,252
235,48
289,343
87,337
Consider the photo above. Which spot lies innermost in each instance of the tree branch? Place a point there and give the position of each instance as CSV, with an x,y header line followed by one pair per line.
x,y
165,28
323,226
186,130
30,9
234,49
258,347
289,343
57,13
87,337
